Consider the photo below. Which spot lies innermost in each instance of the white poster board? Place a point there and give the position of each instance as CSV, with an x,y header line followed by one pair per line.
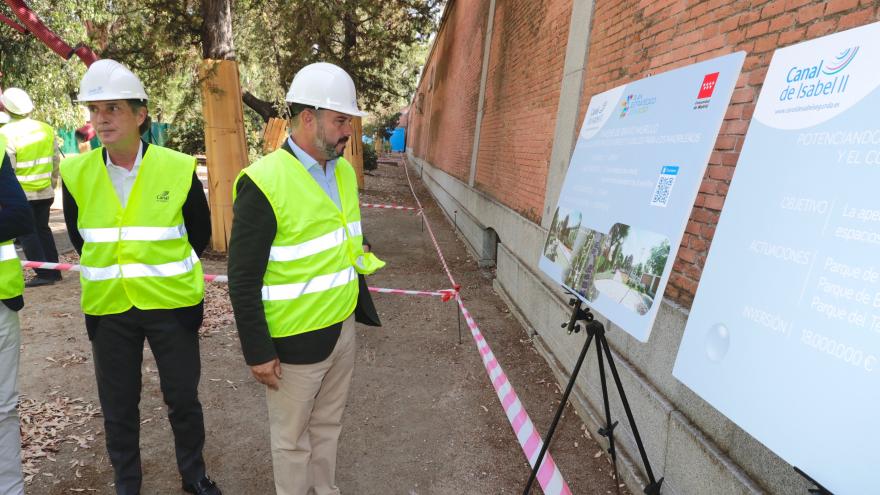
x,y
630,188
784,333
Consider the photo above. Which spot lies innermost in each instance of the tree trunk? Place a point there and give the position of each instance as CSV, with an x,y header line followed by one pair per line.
x,y
217,41
226,147
349,40
354,150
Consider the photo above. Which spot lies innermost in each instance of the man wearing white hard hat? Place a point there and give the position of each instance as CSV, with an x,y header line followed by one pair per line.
x,y
33,150
297,257
139,218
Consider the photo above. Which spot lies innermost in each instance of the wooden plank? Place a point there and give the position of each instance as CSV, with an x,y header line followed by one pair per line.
x,y
274,135
225,144
354,150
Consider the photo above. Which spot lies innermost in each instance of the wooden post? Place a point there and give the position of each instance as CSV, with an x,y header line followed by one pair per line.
x,y
274,134
225,144
354,150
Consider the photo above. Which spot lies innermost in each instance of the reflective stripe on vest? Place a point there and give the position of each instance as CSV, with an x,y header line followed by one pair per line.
x,y
7,252
33,163
135,270
314,246
26,179
113,234
318,284
138,255
311,277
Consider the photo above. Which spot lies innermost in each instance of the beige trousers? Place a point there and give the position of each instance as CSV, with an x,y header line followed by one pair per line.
x,y
305,419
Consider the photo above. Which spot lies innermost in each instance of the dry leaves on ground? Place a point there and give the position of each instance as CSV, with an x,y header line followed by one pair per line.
x,y
218,310
68,360
45,425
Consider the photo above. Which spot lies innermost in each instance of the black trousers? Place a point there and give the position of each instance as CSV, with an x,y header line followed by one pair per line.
x,y
117,346
40,244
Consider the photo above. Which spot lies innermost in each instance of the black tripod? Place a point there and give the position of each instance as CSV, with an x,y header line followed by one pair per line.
x,y
596,330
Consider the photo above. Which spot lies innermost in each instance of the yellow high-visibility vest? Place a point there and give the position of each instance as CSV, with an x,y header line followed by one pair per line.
x,y
311,277
139,255
34,145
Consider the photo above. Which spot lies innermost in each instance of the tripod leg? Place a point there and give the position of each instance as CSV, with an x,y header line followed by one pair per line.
x,y
608,430
653,485
552,430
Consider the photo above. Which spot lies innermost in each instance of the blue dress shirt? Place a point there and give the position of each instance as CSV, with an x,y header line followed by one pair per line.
x,y
325,178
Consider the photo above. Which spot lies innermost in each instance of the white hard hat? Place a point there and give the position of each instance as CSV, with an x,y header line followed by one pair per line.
x,y
324,85
4,118
109,80
17,101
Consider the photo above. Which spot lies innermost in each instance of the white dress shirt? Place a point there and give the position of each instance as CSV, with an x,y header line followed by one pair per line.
x,y
123,179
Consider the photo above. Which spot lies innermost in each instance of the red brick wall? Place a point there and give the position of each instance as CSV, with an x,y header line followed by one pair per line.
x,y
522,95
444,113
634,38
630,39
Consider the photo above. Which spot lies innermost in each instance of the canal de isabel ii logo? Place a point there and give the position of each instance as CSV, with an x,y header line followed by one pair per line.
x,y
817,80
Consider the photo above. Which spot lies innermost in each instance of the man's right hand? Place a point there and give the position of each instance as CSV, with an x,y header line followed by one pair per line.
x,y
268,373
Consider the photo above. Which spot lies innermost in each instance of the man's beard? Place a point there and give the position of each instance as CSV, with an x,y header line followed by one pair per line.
x,y
329,149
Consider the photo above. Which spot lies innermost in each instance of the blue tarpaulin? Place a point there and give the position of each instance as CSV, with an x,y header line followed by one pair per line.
x,y
398,139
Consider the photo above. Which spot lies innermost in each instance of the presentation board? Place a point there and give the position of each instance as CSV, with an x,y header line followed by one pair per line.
x,y
630,188
784,333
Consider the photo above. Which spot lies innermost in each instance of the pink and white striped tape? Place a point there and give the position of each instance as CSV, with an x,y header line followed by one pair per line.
x,y
428,227
388,207
549,475
445,294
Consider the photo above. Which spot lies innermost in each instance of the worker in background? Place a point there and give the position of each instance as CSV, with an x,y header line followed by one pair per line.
x,y
137,215
15,221
295,255
33,150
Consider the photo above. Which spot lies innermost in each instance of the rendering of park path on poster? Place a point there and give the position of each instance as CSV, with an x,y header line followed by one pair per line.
x,y
784,333
630,188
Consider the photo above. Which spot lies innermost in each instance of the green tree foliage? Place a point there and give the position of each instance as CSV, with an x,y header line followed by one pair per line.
x,y
371,160
381,43
27,63
659,256
373,40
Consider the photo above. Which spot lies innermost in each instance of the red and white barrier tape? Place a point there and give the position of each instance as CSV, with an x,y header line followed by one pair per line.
x,y
444,294
45,265
430,231
389,207
549,475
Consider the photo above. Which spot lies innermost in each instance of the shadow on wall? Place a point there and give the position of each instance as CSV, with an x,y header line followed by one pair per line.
x,y
489,250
